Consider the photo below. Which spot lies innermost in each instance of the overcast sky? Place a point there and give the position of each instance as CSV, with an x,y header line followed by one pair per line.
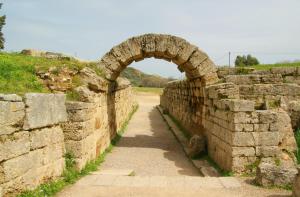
x,y
268,29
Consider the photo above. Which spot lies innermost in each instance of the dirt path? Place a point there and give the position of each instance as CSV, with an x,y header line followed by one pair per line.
x,y
161,168
148,147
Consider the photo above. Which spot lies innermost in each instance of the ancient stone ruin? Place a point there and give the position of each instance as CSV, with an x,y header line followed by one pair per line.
x,y
245,116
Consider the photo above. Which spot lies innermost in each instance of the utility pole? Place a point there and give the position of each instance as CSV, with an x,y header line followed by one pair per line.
x,y
229,58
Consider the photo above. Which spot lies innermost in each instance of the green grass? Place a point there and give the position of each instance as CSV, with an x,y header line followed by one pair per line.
x,y
70,174
297,137
148,90
269,66
18,72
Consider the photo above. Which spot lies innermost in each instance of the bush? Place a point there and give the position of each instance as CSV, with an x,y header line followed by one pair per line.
x,y
245,61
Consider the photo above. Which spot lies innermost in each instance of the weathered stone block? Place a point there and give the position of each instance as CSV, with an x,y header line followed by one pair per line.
x,y
237,105
44,110
243,139
19,165
14,145
267,116
11,116
93,81
78,130
46,136
243,151
269,174
266,138
267,151
10,97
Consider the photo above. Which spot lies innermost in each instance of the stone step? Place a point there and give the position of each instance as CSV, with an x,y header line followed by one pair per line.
x,y
184,182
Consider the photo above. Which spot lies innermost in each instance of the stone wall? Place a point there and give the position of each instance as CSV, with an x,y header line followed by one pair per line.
x,y
91,125
237,134
268,88
36,131
31,140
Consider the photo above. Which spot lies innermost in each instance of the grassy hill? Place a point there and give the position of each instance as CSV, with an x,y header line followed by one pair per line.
x,y
140,79
20,73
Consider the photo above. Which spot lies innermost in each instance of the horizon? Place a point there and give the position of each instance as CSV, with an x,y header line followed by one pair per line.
x,y
264,30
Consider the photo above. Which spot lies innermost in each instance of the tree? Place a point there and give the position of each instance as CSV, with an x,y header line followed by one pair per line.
x,y
2,23
245,61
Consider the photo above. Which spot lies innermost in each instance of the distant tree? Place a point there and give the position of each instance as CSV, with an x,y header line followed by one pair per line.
x,y
245,61
2,23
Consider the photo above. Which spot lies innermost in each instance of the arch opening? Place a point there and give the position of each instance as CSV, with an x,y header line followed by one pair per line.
x,y
188,58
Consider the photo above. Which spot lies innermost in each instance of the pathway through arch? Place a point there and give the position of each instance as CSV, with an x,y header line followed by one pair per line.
x,y
160,165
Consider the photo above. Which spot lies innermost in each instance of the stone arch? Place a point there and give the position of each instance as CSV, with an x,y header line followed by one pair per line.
x,y
188,58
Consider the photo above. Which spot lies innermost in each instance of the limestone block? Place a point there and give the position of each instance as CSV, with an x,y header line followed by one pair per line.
x,y
222,91
53,152
292,79
267,116
111,62
14,145
196,59
122,83
286,134
135,48
243,139
82,147
243,117
267,151
243,151
19,165
161,45
11,116
237,105
239,164
76,105
78,130
270,174
93,81
241,127
44,110
266,138
284,70
147,43
261,127
81,115
10,97
46,136
122,53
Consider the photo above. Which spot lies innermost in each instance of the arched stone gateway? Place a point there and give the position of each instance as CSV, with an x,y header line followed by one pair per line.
x,y
189,58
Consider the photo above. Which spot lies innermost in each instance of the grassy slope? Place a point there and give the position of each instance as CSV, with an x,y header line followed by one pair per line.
x,y
17,72
268,66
